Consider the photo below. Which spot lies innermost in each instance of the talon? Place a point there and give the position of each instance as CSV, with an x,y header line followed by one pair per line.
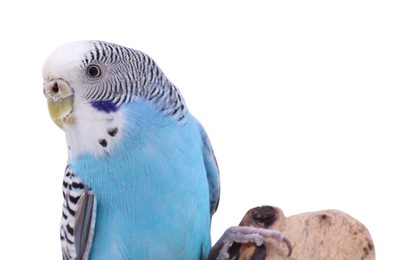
x,y
245,234
289,245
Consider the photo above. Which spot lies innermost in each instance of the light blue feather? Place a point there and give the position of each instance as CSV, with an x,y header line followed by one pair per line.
x,y
156,190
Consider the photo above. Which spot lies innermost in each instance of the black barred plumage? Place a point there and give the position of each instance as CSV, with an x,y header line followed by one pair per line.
x,y
77,199
140,77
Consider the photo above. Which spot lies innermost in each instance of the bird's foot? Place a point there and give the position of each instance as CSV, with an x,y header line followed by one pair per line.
x,y
243,235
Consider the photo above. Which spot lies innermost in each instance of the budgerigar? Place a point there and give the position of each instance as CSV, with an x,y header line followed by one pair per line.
x,y
142,179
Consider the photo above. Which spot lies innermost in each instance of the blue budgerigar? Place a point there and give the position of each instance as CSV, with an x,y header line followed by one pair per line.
x,y
142,179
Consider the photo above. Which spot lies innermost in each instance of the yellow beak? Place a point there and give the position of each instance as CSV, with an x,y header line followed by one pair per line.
x,y
60,102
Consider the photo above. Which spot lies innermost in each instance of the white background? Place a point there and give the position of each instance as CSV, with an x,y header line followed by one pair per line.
x,y
309,105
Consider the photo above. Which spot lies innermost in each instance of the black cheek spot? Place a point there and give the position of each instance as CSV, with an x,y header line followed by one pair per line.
x,y
112,131
103,142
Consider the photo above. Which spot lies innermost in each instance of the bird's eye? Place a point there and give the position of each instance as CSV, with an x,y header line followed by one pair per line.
x,y
93,71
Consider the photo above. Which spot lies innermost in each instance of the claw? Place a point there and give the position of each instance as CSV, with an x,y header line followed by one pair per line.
x,y
244,234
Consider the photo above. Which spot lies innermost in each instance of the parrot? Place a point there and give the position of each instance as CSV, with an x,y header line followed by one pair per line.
x,y
142,179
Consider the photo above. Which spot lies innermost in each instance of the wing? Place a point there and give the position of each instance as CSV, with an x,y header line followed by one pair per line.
x,y
213,174
78,218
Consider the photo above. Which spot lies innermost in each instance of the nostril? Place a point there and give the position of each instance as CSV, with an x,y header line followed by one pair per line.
x,y
55,88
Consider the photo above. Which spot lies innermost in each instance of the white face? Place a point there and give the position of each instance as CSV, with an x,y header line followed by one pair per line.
x,y
67,78
65,63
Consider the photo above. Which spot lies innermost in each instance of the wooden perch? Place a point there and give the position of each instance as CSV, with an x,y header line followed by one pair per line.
x,y
327,234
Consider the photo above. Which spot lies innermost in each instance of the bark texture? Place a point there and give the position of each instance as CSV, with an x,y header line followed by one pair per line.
x,y
327,234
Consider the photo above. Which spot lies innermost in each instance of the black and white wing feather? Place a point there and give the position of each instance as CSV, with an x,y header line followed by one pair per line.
x,y
78,218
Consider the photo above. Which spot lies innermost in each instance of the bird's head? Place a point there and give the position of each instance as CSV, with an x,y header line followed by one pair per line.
x,y
86,84
89,73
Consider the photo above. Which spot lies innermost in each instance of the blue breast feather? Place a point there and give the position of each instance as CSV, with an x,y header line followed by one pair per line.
x,y
152,189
